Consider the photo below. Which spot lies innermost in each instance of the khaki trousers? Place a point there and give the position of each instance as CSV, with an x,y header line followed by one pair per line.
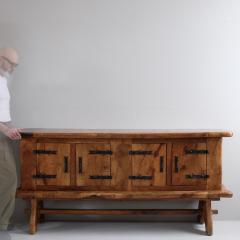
x,y
8,181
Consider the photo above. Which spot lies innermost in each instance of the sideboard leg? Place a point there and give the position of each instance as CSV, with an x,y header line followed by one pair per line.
x,y
200,217
208,217
33,217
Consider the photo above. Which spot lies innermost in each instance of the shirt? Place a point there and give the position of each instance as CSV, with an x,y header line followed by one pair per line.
x,y
4,101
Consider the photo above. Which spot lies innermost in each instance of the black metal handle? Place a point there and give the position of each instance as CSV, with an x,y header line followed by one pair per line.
x,y
140,152
100,177
197,176
176,161
80,170
196,151
65,164
140,177
43,176
161,163
109,152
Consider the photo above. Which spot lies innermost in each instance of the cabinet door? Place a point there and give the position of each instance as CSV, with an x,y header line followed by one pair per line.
x,y
93,164
189,164
53,163
148,165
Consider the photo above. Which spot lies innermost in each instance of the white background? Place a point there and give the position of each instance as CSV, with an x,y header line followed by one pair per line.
x,y
128,64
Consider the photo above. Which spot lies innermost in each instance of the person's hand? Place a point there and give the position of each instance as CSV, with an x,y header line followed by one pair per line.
x,y
13,133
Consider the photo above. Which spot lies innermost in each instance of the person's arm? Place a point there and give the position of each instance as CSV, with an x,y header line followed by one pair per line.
x,y
11,132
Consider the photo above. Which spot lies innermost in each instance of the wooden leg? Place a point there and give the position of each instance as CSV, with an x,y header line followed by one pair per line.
x,y
200,217
207,209
40,217
33,217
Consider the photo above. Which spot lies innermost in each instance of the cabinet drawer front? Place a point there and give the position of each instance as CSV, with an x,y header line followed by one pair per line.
x,y
93,164
148,165
53,164
189,164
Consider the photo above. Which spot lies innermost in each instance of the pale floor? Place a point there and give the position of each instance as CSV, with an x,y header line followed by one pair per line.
x,y
226,230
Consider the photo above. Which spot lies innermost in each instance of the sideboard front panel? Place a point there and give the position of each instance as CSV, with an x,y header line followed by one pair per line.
x,y
53,164
189,164
121,164
148,165
93,164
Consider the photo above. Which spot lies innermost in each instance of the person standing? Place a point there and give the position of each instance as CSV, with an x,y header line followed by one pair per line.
x,y
8,173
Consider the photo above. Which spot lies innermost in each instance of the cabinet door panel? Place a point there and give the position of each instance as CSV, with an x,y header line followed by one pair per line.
x,y
189,164
93,164
148,165
53,164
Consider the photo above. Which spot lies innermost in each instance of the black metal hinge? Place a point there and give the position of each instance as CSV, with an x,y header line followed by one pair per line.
x,y
140,152
140,177
41,151
197,176
43,176
196,151
100,177
109,152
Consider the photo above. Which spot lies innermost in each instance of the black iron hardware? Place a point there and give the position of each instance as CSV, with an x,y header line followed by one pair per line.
x,y
140,177
161,163
197,176
65,164
176,164
109,152
140,152
43,176
80,165
41,151
196,151
100,177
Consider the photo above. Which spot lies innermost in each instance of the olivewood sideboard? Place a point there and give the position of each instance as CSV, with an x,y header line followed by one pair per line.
x,y
76,164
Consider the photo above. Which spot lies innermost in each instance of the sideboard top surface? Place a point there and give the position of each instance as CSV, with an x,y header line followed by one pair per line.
x,y
124,133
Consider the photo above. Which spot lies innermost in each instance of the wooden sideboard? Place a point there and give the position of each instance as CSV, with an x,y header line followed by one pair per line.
x,y
77,164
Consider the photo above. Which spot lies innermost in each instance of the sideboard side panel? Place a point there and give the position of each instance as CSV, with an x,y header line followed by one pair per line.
x,y
214,163
28,163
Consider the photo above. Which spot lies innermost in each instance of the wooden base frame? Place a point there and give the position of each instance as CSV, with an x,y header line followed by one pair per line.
x,y
204,213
